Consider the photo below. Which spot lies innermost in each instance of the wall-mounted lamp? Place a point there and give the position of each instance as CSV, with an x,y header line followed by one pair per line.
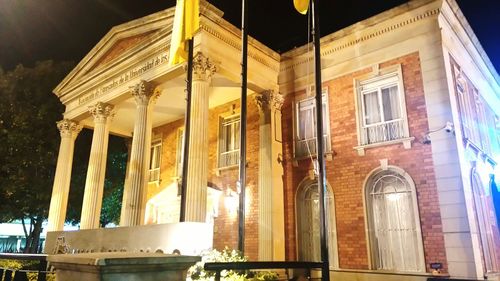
x,y
231,200
448,127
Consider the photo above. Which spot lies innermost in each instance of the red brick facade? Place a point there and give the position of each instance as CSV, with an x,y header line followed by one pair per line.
x,y
347,171
226,224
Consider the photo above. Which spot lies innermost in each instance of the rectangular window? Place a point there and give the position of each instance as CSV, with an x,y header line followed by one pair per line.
x,y
305,139
382,110
229,141
154,162
180,152
477,119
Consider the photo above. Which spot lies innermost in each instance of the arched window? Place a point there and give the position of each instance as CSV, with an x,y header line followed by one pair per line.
x,y
308,223
485,213
393,221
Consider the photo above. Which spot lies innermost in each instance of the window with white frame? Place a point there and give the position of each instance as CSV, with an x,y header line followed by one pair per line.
x,y
305,138
393,222
308,223
476,117
381,109
229,141
180,152
486,218
154,162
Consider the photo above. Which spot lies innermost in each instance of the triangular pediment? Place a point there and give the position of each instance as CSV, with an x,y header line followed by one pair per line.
x,y
121,41
120,47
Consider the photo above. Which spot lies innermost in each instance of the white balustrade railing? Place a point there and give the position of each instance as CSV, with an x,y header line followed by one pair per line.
x,y
229,158
301,146
388,131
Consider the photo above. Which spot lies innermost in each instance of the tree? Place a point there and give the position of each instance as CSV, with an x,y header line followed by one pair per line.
x,y
113,183
29,148
30,142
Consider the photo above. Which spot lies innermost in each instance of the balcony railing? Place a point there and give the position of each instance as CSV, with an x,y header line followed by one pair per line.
x,y
388,131
229,158
154,175
301,146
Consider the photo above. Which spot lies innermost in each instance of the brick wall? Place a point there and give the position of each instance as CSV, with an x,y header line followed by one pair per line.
x,y
347,172
226,224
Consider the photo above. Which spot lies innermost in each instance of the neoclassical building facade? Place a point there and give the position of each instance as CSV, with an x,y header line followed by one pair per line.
x,y
411,119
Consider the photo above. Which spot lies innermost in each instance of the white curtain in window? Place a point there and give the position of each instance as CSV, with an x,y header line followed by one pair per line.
x,y
394,234
372,108
486,219
309,224
390,102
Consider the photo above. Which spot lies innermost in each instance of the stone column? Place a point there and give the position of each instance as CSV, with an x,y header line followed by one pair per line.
x,y
278,207
134,196
196,194
59,201
265,177
94,184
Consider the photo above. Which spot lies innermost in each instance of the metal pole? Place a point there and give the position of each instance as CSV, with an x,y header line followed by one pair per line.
x,y
243,126
187,129
325,271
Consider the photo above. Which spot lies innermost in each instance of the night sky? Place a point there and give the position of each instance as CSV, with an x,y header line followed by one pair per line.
x,y
32,30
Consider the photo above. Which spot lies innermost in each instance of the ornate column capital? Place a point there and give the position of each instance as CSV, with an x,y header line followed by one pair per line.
x,y
263,99
203,67
101,111
276,100
145,92
68,128
269,98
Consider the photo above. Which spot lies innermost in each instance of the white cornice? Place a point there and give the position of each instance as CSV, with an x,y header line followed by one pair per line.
x,y
340,40
135,27
257,50
452,13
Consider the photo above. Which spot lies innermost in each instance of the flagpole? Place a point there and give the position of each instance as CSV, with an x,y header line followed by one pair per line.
x,y
243,125
187,131
325,272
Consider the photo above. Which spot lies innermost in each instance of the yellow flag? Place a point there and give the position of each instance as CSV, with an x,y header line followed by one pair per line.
x,y
301,6
186,23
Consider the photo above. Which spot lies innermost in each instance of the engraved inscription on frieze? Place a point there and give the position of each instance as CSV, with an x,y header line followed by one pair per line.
x,y
124,77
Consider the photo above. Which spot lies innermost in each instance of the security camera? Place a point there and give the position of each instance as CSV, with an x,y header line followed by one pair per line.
x,y
449,127
426,139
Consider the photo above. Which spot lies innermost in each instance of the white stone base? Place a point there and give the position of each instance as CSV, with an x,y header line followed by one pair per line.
x,y
121,266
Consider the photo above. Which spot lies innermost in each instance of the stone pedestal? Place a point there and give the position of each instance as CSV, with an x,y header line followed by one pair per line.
x,y
121,266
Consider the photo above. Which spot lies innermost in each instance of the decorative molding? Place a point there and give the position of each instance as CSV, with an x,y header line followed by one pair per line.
x,y
237,45
277,100
101,111
263,100
68,128
145,92
371,35
203,67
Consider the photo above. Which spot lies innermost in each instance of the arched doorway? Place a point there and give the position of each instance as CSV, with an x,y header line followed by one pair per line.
x,y
308,223
393,221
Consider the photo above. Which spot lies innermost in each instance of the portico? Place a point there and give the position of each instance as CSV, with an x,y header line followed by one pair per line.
x,y
126,87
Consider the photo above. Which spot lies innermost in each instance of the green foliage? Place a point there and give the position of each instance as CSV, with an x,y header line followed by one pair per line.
x,y
196,272
25,265
30,141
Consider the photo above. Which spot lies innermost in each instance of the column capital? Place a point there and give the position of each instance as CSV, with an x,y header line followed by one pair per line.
x,y
263,100
68,128
101,111
203,67
277,100
145,92
269,98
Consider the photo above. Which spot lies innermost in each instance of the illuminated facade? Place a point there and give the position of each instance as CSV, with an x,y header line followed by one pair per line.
x,y
411,105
